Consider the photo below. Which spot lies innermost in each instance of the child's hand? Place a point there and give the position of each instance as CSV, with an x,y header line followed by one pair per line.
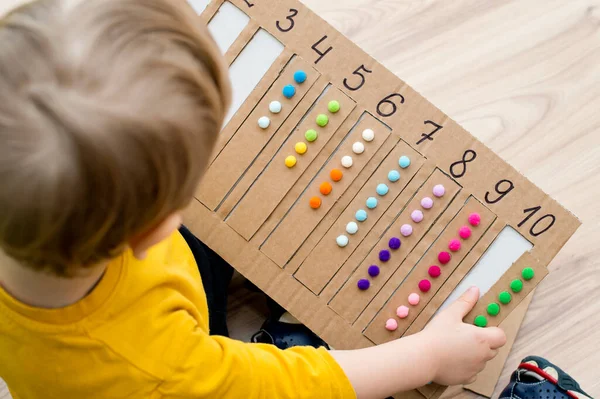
x,y
462,349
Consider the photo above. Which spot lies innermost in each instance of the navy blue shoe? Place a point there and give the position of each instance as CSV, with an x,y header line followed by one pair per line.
x,y
537,378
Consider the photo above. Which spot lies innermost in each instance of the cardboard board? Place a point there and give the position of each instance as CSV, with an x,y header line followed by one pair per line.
x,y
254,210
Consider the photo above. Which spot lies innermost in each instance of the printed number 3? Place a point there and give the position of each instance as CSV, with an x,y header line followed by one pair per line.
x,y
292,23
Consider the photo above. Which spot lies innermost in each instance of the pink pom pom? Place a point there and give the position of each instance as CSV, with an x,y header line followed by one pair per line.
x,y
427,203
424,285
464,232
416,216
391,325
402,312
439,190
454,245
474,219
406,230
444,257
414,299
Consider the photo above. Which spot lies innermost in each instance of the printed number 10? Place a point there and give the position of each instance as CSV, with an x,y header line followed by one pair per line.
x,y
536,229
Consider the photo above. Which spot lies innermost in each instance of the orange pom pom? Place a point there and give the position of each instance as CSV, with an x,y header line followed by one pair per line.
x,y
315,202
336,175
325,188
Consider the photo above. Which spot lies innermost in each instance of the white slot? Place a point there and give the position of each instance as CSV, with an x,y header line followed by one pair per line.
x,y
250,66
227,24
506,249
198,5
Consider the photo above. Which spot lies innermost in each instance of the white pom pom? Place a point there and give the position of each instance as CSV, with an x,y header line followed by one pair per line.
x,y
347,161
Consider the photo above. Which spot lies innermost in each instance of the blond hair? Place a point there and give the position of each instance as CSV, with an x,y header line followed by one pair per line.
x,y
109,110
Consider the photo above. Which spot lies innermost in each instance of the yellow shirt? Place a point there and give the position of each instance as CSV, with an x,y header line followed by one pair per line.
x,y
143,333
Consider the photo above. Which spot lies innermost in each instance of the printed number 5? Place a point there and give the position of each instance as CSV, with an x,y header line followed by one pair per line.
x,y
360,75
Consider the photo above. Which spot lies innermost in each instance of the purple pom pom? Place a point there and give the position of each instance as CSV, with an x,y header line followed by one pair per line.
x,y
394,243
363,284
384,255
374,270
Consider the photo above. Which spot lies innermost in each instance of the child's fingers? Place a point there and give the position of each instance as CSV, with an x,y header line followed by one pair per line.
x,y
472,380
466,302
492,354
496,337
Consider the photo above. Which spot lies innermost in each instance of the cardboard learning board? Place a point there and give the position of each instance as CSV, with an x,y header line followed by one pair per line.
x,y
350,199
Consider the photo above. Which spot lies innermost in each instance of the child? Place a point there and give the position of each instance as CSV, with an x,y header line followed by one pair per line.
x,y
109,110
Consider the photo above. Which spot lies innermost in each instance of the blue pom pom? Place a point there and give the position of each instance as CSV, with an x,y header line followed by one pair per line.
x,y
404,162
394,176
382,189
371,202
300,76
289,91
361,215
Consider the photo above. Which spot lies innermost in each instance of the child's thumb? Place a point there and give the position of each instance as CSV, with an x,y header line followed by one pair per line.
x,y
466,302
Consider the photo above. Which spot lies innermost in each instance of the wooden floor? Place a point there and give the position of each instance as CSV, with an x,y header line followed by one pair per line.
x,y
524,77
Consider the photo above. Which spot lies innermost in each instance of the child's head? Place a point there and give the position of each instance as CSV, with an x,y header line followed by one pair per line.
x,y
109,110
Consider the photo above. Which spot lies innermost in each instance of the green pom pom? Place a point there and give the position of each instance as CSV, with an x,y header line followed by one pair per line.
x,y
516,286
311,135
493,309
528,273
505,298
480,321
322,120
333,106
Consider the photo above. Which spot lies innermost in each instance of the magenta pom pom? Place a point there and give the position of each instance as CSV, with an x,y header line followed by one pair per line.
x,y
424,285
464,232
444,257
474,219
454,245
435,271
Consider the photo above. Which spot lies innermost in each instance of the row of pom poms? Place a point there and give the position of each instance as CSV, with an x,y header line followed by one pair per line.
x,y
336,175
382,189
434,271
505,297
311,135
406,230
288,92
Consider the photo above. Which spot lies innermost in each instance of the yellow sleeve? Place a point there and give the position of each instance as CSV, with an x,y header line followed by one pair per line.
x,y
219,367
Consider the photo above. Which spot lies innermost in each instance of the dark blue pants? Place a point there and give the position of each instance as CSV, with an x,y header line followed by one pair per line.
x,y
216,275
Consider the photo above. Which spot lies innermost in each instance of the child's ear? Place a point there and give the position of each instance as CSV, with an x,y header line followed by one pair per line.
x,y
141,243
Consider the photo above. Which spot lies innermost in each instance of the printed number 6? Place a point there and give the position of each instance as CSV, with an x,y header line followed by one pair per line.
x,y
388,100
